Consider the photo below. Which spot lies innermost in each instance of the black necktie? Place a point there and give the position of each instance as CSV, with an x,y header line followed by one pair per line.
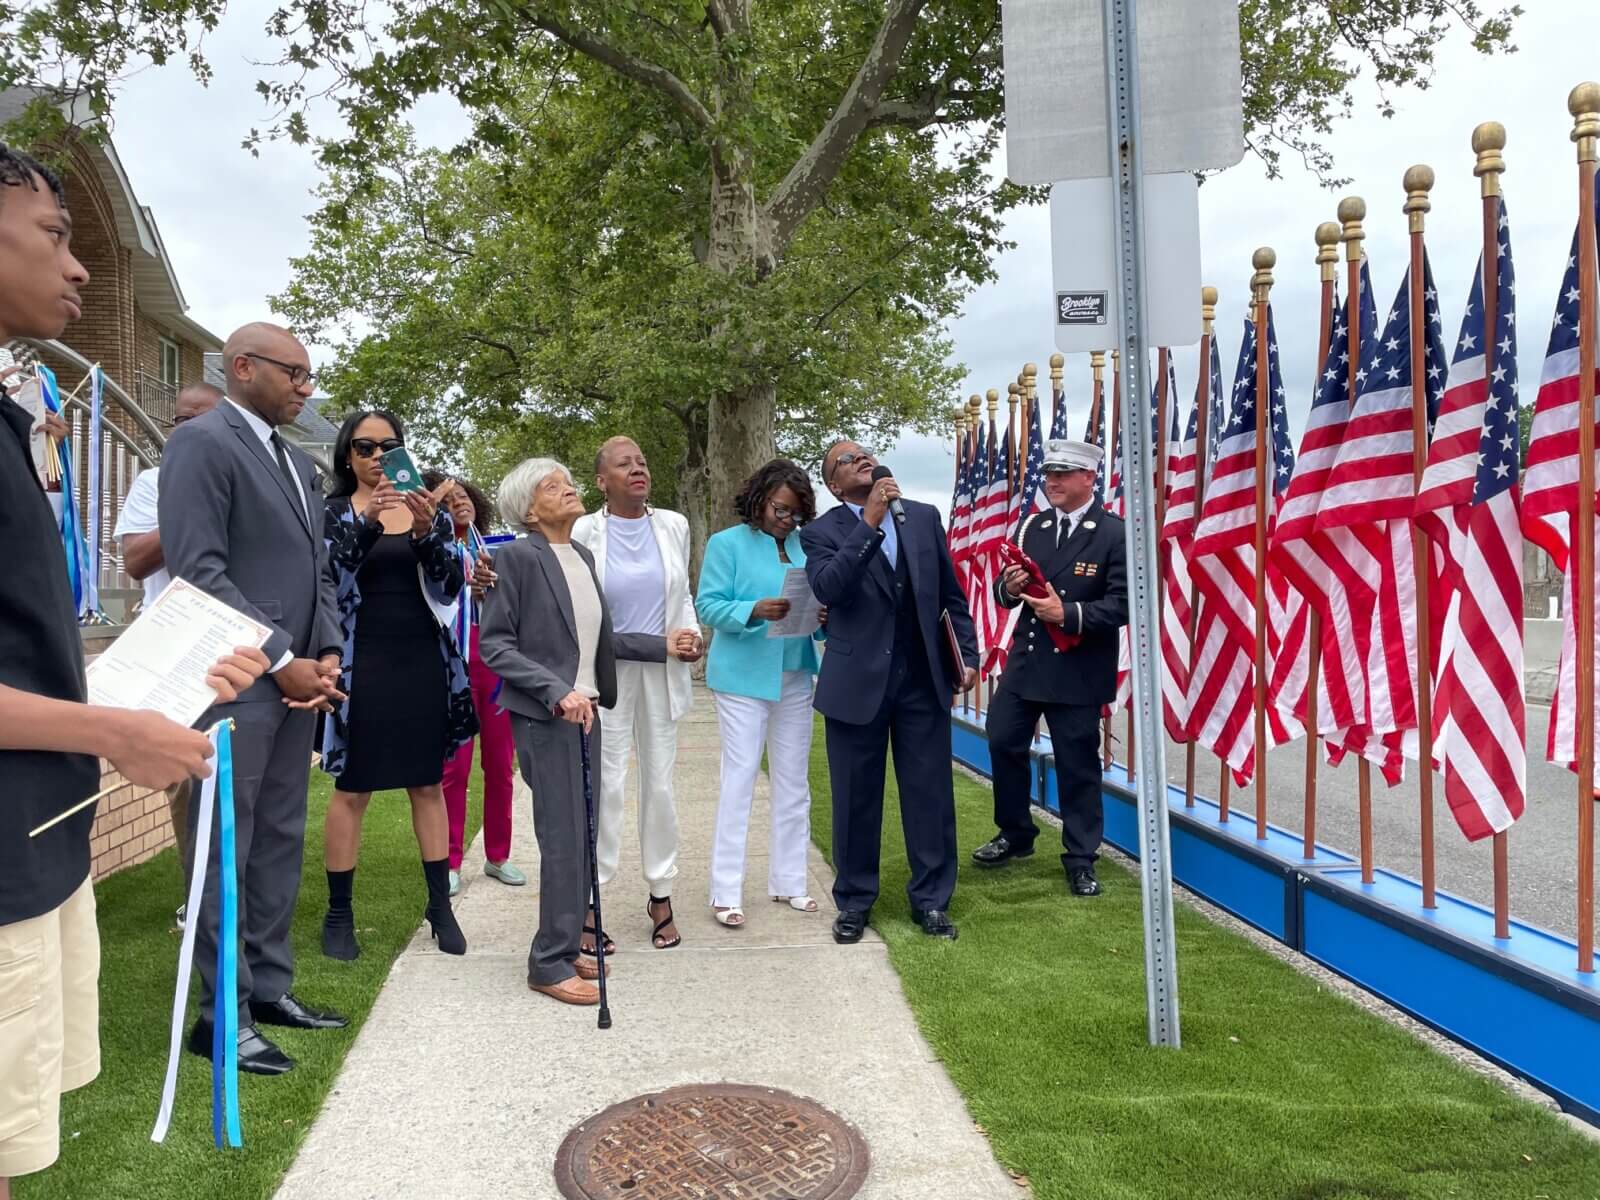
x,y
282,456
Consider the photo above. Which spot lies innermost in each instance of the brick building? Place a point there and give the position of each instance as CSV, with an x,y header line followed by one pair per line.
x,y
135,322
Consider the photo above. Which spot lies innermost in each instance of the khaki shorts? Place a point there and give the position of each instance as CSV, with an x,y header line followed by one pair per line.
x,y
49,1027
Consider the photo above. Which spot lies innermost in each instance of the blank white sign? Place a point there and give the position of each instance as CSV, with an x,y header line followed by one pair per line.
x,y
1189,78
1083,254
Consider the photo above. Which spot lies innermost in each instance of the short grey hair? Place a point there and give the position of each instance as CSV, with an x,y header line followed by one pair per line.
x,y
515,494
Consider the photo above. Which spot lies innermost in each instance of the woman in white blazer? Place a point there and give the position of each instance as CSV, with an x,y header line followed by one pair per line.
x,y
641,555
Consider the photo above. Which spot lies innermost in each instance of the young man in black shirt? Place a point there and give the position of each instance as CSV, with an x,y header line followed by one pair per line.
x,y
51,741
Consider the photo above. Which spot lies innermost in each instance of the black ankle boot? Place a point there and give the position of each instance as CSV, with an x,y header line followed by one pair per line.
x,y
442,921
339,923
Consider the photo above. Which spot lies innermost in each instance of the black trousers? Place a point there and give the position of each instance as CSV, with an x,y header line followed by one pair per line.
x,y
915,720
1075,738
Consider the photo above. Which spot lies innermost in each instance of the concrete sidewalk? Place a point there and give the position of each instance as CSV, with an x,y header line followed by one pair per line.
x,y
463,1081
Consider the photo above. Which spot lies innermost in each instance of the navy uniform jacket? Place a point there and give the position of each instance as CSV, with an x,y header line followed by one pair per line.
x,y
1090,573
848,572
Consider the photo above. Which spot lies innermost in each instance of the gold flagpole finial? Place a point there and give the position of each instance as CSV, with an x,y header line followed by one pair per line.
x,y
1584,105
1208,307
1352,211
994,402
1097,363
1013,398
1488,140
1030,382
1328,250
1058,363
1116,360
1418,183
1263,260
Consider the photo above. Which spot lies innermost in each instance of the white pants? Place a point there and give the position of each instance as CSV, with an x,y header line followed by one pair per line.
x,y
783,727
641,721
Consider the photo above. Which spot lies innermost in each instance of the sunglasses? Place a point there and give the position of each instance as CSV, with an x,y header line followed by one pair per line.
x,y
366,447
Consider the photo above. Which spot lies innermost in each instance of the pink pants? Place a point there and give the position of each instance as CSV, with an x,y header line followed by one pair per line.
x,y
499,759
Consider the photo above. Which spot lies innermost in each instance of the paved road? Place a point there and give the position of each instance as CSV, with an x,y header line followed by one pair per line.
x,y
1542,845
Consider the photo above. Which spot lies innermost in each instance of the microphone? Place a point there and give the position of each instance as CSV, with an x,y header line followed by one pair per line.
x,y
895,507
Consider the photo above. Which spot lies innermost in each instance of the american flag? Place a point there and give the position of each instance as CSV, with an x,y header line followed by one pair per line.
x,y
1315,563
1178,456
1370,491
1095,434
1550,494
991,524
1033,490
1468,506
973,478
1223,560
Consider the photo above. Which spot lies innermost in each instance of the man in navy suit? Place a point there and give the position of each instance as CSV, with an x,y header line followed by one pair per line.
x,y
885,681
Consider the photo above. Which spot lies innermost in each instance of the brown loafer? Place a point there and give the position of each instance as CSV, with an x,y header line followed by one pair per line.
x,y
588,968
571,990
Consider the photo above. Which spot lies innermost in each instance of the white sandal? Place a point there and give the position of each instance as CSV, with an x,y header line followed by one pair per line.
x,y
803,904
732,917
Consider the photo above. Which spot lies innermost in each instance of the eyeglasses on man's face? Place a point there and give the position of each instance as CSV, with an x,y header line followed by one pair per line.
x,y
298,376
366,447
848,457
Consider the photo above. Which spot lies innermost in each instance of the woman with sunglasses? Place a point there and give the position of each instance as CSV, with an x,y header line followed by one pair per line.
x,y
410,702
761,685
469,513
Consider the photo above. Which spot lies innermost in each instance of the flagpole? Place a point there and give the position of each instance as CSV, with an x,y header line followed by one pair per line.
x,y
1352,211
1013,398
1488,140
1114,439
1584,105
1163,358
1030,403
1058,392
961,466
1202,404
1261,284
1327,238
1418,183
1097,364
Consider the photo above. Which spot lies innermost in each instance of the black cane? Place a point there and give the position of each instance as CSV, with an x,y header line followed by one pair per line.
x,y
594,878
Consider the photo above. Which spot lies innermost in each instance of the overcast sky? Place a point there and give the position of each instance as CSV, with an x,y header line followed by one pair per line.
x,y
231,222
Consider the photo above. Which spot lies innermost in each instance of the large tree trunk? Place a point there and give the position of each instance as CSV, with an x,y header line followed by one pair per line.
x,y
694,489
741,438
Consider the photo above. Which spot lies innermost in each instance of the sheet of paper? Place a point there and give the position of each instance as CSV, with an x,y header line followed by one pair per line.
x,y
803,607
160,661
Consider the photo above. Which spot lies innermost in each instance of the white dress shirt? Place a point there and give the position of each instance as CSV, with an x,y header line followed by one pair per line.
x,y
138,515
1068,523
264,431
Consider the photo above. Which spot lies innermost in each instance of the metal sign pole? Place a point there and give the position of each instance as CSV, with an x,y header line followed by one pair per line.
x,y
1127,173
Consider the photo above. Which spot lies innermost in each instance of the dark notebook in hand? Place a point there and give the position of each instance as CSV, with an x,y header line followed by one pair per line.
x,y
950,651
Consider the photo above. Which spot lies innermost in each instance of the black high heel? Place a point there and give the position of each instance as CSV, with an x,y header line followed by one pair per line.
x,y
441,919
339,936
656,940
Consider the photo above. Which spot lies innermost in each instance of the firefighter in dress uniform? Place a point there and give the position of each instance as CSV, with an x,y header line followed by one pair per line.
x,y
1078,547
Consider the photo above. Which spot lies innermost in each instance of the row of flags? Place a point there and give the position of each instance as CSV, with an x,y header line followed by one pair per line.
x,y
1344,572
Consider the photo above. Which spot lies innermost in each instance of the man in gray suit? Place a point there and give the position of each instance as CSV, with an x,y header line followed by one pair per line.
x,y
240,512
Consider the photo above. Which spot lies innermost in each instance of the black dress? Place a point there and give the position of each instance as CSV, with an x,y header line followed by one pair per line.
x,y
397,679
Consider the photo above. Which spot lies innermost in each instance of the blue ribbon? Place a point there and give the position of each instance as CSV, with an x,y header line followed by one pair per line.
x,y
71,524
96,488
225,1025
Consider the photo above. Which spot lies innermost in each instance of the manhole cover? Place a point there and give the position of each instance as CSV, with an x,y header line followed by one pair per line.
x,y
714,1141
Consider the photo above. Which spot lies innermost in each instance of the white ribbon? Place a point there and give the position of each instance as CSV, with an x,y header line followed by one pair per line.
x,y
180,997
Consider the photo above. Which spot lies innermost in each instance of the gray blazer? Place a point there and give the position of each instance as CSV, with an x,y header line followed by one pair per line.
x,y
529,637
231,525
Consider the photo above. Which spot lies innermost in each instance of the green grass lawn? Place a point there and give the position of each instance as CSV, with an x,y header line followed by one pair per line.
x,y
1282,1089
106,1149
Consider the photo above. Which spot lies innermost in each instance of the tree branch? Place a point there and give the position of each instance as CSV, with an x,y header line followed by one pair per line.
x,y
817,168
628,65
509,352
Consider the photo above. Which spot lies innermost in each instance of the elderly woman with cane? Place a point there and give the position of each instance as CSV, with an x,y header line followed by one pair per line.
x,y
546,632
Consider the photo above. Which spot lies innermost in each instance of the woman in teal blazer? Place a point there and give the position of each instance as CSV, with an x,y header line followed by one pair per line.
x,y
761,685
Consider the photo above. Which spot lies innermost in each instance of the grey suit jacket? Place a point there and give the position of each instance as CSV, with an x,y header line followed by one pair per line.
x,y
231,525
529,637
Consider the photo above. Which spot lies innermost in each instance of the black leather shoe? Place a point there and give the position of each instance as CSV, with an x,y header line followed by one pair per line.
x,y
849,926
257,1056
934,922
999,851
1083,882
286,1010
